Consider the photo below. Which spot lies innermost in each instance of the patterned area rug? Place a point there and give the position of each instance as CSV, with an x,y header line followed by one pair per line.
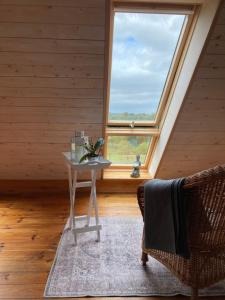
x,y
112,267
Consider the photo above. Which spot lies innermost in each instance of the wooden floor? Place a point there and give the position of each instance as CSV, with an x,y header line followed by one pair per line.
x,y
30,229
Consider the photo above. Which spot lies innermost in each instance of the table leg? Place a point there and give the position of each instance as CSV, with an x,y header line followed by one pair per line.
x,y
73,198
94,199
72,190
90,206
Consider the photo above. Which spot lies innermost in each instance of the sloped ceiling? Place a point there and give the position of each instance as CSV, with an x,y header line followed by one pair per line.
x,y
198,138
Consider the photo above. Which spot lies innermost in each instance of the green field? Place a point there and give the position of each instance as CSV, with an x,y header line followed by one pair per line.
x,y
123,149
131,117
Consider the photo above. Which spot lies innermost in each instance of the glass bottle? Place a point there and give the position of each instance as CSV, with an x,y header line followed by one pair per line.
x,y
73,148
79,145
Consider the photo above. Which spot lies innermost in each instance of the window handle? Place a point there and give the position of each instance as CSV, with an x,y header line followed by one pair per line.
x,y
132,124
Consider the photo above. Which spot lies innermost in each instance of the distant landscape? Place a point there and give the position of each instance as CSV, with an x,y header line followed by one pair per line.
x,y
131,117
123,149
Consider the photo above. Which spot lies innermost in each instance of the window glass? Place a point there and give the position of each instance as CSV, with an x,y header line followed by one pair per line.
x,y
123,149
143,49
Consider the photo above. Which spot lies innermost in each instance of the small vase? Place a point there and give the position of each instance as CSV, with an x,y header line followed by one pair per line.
x,y
92,158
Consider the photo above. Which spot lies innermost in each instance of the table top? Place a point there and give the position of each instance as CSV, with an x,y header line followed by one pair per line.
x,y
97,163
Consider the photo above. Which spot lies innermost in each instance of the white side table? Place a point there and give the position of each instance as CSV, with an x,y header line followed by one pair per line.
x,y
73,169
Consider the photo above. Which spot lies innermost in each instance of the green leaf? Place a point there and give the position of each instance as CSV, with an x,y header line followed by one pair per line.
x,y
85,156
87,148
99,144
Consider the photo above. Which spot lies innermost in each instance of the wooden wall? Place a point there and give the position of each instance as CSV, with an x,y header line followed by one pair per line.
x,y
198,138
51,82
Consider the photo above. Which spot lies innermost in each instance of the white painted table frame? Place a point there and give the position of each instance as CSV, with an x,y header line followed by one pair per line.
x,y
73,169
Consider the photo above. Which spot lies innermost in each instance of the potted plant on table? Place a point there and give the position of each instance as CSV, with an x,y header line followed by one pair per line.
x,y
92,150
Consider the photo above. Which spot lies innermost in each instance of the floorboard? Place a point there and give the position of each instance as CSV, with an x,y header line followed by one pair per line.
x,y
30,229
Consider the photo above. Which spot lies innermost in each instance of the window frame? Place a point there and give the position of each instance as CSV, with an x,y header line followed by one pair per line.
x,y
151,128
149,132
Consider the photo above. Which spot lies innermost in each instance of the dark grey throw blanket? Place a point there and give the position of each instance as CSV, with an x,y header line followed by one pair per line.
x,y
165,216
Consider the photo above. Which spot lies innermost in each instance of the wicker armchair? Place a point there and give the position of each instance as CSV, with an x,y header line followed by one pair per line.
x,y
206,266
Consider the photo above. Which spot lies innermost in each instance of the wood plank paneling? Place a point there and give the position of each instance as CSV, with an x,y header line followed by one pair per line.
x,y
46,114
207,72
212,61
51,82
51,92
51,31
66,83
221,18
198,138
207,88
10,135
51,71
51,46
218,32
53,14
52,102
67,3
60,187
216,47
12,126
55,59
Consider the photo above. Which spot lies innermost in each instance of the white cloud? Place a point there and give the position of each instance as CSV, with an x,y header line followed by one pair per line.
x,y
143,47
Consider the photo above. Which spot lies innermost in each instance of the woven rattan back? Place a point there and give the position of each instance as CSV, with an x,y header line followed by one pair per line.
x,y
206,193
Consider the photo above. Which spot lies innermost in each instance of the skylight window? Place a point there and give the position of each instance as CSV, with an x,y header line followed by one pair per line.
x,y
146,47
143,49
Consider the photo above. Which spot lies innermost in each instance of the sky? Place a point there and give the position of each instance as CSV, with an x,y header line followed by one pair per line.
x,y
143,48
